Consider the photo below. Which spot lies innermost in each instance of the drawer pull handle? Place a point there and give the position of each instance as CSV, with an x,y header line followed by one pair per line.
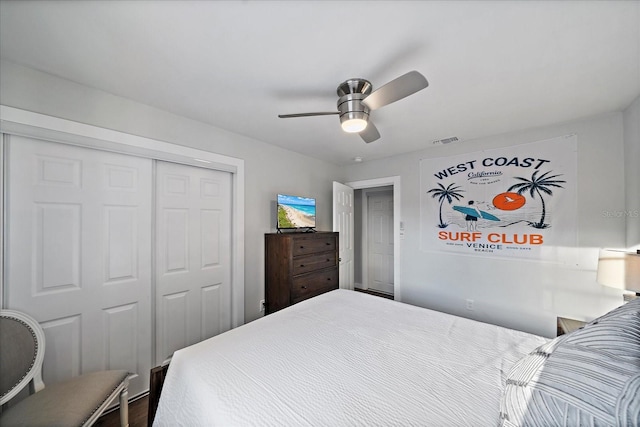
x,y
328,243
301,265
303,287
329,279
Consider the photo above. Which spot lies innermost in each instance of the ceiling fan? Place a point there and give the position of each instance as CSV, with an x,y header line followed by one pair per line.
x,y
358,99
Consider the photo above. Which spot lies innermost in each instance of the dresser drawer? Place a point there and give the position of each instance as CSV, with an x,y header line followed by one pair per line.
x,y
304,246
307,263
312,284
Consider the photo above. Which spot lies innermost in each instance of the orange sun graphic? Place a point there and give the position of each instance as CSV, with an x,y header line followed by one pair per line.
x,y
509,201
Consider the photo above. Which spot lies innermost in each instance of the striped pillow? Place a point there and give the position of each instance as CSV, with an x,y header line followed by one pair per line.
x,y
589,377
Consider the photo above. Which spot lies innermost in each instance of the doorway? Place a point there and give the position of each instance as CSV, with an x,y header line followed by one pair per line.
x,y
377,239
388,223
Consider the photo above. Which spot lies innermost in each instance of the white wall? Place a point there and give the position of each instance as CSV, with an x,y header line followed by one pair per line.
x,y
531,302
525,295
632,172
268,169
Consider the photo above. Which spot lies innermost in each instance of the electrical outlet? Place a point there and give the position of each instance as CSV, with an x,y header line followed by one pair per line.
x,y
261,305
470,304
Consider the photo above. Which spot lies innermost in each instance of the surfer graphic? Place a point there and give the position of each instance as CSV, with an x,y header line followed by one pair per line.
x,y
472,213
472,219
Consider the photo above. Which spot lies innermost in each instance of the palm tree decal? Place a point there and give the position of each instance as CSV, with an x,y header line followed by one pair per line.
x,y
449,193
537,185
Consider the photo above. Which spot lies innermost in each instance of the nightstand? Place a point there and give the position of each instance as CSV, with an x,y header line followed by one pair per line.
x,y
566,325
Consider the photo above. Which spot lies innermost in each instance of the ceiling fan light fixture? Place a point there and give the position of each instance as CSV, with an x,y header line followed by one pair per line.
x,y
354,125
354,121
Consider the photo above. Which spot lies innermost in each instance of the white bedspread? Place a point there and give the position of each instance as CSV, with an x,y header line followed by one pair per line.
x,y
344,359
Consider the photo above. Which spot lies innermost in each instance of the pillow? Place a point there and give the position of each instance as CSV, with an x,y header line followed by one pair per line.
x,y
588,377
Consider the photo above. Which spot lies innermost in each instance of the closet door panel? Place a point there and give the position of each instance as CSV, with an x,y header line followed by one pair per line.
x,y
56,228
211,306
172,331
63,353
193,272
79,255
121,243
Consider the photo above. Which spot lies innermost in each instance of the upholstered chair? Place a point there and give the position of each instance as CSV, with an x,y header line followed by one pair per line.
x,y
78,401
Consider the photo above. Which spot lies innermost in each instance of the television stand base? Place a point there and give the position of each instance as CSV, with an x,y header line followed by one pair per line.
x,y
296,230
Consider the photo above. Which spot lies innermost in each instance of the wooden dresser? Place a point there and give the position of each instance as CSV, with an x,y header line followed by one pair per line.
x,y
298,266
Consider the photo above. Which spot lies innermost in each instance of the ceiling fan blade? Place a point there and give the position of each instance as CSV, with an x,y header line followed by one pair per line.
x,y
325,113
395,90
370,133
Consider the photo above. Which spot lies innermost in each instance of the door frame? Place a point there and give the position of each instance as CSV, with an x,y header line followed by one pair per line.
x,y
395,182
14,121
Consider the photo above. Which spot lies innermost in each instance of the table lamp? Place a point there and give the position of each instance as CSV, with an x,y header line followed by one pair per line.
x,y
619,269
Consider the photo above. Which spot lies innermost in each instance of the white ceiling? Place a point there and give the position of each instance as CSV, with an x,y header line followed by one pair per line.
x,y
493,66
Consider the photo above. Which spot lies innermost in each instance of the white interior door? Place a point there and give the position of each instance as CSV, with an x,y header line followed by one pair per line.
x,y
79,255
343,223
380,241
193,262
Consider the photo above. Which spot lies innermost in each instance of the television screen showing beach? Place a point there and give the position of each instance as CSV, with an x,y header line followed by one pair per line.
x,y
296,212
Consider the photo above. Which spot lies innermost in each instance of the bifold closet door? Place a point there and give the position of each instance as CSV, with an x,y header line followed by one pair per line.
x,y
193,256
79,255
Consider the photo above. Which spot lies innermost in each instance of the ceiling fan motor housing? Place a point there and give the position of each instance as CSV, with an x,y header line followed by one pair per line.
x,y
350,105
355,86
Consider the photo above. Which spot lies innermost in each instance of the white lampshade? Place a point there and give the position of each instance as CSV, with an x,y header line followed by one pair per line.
x,y
619,269
353,121
354,125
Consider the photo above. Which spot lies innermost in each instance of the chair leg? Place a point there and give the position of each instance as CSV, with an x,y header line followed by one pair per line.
x,y
124,407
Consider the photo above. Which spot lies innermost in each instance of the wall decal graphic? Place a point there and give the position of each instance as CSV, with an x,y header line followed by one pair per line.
x,y
515,202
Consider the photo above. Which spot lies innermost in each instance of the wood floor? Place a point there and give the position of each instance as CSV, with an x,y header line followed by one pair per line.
x,y
137,415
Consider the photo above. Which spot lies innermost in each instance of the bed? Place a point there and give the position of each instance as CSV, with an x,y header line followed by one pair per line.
x,y
346,358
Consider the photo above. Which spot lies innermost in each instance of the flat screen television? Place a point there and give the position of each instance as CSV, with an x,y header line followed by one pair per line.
x,y
295,212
